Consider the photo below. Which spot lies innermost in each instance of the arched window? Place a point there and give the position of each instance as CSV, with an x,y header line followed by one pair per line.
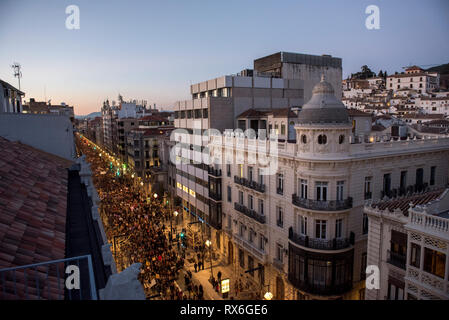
x,y
341,139
322,139
304,139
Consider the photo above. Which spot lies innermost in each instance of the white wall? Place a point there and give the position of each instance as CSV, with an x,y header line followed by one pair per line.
x,y
49,133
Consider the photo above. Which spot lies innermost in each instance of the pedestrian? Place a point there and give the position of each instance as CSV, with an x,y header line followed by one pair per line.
x,y
219,276
200,289
195,266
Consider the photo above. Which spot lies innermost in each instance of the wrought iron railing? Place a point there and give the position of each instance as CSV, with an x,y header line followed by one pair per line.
x,y
320,244
328,205
250,184
47,280
396,259
214,172
249,213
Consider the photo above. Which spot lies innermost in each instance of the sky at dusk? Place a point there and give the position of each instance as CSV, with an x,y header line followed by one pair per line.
x,y
153,50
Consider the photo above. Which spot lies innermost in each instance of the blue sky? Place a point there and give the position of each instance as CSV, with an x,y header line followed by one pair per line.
x,y
153,50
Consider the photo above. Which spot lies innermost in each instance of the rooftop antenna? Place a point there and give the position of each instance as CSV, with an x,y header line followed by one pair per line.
x,y
17,73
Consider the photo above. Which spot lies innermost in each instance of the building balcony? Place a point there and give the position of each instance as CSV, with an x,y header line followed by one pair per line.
x,y
250,184
214,172
329,205
261,255
396,259
250,213
215,196
320,244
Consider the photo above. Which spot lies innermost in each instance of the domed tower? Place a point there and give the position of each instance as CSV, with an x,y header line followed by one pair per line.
x,y
323,124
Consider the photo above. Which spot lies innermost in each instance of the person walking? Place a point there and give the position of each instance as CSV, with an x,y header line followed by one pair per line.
x,y
195,266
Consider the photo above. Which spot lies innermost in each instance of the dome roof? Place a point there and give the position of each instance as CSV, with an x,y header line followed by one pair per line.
x,y
323,107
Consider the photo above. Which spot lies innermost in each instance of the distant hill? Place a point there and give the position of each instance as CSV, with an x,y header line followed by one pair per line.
x,y
89,116
441,69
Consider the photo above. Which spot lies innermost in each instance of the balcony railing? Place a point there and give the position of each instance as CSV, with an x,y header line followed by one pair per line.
x,y
396,259
329,205
214,172
249,213
47,280
320,244
250,184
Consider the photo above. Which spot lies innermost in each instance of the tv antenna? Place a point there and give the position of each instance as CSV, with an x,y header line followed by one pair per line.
x,y
17,73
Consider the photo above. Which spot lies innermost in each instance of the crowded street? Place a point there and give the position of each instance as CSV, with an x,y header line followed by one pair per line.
x,y
136,226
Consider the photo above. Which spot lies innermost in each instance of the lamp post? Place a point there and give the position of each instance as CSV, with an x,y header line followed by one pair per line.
x,y
209,244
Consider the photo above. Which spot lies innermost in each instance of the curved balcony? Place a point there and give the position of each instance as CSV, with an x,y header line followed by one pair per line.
x,y
320,244
249,213
323,274
329,205
250,184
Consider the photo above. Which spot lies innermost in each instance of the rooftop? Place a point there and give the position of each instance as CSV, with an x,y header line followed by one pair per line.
x,y
404,203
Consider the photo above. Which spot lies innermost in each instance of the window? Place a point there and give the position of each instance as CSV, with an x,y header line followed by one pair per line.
x,y
197,113
205,114
228,170
241,170
432,175
251,235
340,187
338,228
241,197
363,266
242,230
365,224
279,217
403,183
434,262
282,129
260,176
241,258
229,194
262,243
280,183
250,174
279,252
341,139
321,191
419,177
415,255
303,189
303,227
250,265
261,209
322,139
320,229
395,292
368,192
304,139
387,184
250,202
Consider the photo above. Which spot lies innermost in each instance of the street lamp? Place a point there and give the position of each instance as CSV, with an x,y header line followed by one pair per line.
x,y
209,244
155,196
268,295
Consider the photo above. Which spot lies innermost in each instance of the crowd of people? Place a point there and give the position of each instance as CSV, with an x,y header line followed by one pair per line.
x,y
138,224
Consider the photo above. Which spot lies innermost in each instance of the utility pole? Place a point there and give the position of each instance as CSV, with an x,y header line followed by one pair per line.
x,y
17,73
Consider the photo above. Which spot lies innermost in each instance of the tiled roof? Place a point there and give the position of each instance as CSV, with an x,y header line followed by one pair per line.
x,y
357,113
424,116
33,201
404,203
